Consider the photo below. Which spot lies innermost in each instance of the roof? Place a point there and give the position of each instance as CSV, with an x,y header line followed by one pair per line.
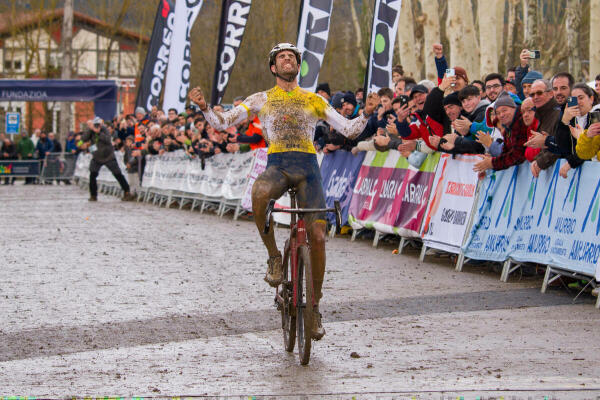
x,y
24,20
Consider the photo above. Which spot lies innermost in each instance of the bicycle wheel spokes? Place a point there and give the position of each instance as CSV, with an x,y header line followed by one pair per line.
x,y
288,321
304,307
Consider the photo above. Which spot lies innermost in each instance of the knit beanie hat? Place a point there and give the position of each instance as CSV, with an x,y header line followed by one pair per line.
x,y
531,77
504,100
452,99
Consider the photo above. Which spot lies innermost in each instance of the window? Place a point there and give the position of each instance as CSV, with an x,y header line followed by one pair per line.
x,y
16,65
113,65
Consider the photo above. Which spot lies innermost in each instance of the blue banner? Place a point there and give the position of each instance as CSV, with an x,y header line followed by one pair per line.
x,y
339,171
549,220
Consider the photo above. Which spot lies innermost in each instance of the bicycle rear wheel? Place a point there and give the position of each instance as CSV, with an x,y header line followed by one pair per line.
x,y
304,305
288,319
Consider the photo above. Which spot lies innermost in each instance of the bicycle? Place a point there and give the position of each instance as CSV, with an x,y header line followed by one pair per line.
x,y
294,299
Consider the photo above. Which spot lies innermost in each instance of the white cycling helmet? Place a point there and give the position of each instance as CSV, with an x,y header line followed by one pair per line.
x,y
281,47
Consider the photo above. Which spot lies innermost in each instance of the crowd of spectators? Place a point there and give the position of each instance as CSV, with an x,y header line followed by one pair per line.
x,y
506,119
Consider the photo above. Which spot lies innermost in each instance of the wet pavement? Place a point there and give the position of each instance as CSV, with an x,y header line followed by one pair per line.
x,y
128,299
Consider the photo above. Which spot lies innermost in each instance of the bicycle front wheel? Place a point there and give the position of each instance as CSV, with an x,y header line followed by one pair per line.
x,y
304,305
288,318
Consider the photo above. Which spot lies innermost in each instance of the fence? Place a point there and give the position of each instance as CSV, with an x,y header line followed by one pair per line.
x,y
509,216
60,166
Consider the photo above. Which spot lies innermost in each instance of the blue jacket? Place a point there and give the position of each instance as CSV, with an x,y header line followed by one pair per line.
x,y
44,146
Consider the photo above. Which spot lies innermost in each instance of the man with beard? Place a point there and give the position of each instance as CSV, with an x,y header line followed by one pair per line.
x,y
289,115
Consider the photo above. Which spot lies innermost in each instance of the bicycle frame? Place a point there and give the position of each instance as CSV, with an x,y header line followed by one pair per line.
x,y
298,236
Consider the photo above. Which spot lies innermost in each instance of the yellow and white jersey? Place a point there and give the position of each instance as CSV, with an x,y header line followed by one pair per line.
x,y
288,118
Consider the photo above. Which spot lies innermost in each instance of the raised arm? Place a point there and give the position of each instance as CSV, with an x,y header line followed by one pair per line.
x,y
223,120
351,128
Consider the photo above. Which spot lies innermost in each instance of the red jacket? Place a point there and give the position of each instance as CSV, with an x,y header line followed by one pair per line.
x,y
513,152
530,153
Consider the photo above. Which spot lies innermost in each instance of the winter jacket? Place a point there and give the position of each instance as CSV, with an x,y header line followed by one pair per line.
x,y
588,147
44,146
513,152
102,140
548,115
25,148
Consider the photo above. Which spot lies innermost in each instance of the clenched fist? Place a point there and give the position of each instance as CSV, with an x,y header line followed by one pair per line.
x,y
196,96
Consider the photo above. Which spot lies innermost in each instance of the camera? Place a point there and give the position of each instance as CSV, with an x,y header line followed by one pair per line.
x,y
403,99
572,101
534,54
594,117
450,72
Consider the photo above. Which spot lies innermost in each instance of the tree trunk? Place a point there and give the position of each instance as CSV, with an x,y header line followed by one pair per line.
x,y
487,37
356,22
512,17
572,25
464,51
530,21
594,38
406,40
431,28
66,44
500,6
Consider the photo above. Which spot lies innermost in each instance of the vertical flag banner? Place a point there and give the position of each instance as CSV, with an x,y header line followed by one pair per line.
x,y
381,51
180,59
234,16
157,58
313,32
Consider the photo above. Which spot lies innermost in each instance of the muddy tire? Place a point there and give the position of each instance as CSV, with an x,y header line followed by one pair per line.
x,y
288,318
304,306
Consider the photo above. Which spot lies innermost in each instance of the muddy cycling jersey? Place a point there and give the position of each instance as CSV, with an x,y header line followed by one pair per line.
x,y
288,118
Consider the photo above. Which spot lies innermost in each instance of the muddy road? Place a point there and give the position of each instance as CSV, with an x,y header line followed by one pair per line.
x,y
126,299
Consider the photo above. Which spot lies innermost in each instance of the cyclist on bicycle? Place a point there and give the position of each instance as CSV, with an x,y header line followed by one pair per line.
x,y
289,115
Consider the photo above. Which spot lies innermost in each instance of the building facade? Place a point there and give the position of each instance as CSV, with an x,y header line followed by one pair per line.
x,y
30,48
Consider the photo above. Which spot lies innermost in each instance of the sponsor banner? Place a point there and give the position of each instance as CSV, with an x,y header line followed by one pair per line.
x,y
313,32
82,168
221,176
157,58
259,166
20,168
339,171
452,201
381,51
180,56
390,196
234,15
548,220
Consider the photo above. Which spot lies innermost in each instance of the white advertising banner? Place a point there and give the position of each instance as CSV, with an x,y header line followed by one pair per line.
x,y
451,203
180,56
259,166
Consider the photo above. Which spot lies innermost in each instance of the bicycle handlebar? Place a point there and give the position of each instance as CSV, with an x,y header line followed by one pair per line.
x,y
271,209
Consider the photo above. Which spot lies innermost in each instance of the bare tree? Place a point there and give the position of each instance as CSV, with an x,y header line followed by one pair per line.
x,y
357,30
487,36
406,40
572,21
594,38
461,35
431,35
530,12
